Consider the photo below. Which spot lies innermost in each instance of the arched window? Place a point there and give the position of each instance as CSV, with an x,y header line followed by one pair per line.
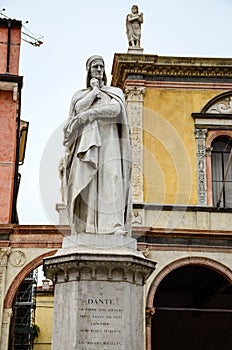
x,y
213,130
221,159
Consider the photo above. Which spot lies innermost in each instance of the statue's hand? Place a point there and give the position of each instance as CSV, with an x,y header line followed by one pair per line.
x,y
92,118
83,117
94,83
86,116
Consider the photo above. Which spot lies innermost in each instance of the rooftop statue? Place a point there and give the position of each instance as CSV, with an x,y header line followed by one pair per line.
x,y
97,162
133,26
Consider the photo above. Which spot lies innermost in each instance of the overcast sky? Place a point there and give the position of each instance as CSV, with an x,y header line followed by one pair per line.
x,y
73,31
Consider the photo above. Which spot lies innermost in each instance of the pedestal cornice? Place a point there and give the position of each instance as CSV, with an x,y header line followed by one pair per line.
x,y
91,264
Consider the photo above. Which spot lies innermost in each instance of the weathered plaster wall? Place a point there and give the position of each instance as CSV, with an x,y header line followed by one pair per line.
x,y
169,143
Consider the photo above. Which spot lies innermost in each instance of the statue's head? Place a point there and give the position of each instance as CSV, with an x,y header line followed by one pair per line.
x,y
134,9
91,60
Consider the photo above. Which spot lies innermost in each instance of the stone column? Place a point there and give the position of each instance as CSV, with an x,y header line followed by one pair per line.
x,y
99,295
4,254
135,102
6,321
208,155
150,312
200,135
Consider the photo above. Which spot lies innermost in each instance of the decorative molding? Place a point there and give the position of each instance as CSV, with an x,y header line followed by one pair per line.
x,y
17,258
4,254
154,66
135,93
2,287
36,236
150,313
8,302
7,314
135,102
137,217
98,267
223,106
200,135
185,85
217,133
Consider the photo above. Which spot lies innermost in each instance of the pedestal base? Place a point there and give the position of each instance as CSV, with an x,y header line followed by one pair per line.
x,y
99,300
135,50
101,241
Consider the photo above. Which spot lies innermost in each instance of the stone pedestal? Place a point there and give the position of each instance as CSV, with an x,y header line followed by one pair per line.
x,y
135,50
99,293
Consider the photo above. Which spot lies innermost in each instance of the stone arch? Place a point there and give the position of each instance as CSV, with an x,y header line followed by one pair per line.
x,y
217,133
9,298
201,261
213,264
215,100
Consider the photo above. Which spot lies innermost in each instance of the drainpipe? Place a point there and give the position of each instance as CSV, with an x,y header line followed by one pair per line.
x,y
14,215
8,47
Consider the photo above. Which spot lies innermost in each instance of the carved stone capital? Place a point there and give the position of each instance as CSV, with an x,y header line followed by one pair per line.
x,y
135,93
150,312
7,314
4,254
200,133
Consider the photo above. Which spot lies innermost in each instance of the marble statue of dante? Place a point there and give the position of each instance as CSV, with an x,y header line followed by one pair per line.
x,y
133,26
97,162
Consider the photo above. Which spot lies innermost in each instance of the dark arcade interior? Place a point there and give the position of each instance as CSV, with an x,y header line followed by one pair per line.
x,y
193,311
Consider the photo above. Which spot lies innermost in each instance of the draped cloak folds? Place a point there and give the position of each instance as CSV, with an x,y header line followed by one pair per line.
x,y
83,144
133,27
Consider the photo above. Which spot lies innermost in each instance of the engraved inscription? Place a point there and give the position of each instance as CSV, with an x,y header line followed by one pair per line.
x,y
100,323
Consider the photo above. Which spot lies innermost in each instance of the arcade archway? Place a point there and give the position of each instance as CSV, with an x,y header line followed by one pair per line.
x,y
193,310
21,303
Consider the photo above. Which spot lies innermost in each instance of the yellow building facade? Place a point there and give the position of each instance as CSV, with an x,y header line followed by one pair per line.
x,y
162,95
169,144
43,318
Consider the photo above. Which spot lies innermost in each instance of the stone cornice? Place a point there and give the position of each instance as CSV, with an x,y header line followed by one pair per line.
x,y
10,80
153,66
48,236
177,232
32,236
98,265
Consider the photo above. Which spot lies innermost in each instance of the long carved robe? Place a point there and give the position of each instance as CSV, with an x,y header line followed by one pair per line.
x,y
97,174
133,27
